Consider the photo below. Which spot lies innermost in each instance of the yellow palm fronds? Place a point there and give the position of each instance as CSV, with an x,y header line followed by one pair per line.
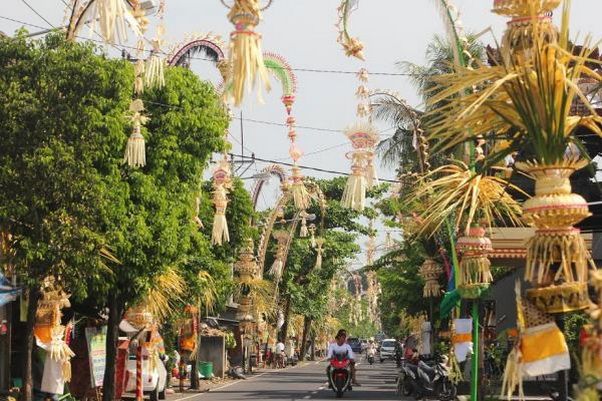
x,y
455,191
260,291
208,296
164,293
526,98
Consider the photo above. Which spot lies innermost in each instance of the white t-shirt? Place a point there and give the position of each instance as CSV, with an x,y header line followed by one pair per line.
x,y
336,349
279,348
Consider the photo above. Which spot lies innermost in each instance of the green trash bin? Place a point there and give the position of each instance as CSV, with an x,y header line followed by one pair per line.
x,y
206,369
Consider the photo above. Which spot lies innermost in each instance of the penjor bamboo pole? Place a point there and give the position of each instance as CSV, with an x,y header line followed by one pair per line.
x,y
139,392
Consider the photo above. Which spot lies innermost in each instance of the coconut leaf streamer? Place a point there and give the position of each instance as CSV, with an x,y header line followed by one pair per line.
x,y
455,191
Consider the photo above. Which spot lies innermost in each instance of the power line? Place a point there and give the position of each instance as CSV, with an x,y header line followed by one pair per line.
x,y
322,170
37,13
314,70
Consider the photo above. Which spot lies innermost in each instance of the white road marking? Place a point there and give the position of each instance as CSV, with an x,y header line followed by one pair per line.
x,y
307,397
321,388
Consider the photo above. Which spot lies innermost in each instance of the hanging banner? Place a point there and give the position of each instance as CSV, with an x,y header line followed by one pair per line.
x,y
96,338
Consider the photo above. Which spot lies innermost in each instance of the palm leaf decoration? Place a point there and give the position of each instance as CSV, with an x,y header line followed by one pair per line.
x,y
525,99
456,191
165,294
262,293
207,297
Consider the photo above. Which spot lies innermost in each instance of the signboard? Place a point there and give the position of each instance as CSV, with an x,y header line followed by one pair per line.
x,y
97,354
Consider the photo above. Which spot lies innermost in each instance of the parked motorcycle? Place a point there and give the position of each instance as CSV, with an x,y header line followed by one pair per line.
x,y
339,375
427,381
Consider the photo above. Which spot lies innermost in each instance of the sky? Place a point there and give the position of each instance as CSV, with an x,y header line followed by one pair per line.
x,y
304,33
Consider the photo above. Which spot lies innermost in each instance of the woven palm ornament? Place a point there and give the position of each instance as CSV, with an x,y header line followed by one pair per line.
x,y
518,37
475,274
222,183
246,57
48,329
352,45
430,272
557,257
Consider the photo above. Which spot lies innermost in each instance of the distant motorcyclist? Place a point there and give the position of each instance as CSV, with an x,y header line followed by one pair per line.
x,y
341,348
371,348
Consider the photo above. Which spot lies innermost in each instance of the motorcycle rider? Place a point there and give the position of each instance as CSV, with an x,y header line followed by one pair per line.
x,y
340,347
371,349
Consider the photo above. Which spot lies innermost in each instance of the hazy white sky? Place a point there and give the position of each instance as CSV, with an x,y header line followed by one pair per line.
x,y
303,32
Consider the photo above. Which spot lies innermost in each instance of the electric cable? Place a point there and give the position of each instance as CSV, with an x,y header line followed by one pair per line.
x,y
314,70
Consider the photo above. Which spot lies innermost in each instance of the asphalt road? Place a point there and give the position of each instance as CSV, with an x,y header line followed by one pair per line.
x,y
307,382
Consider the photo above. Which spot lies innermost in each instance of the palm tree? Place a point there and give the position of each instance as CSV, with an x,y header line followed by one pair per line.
x,y
407,148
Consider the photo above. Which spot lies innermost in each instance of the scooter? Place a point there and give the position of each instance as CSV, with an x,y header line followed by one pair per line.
x,y
339,375
370,359
425,380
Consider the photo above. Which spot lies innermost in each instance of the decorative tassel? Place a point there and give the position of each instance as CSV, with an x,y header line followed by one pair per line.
x,y
354,195
475,267
513,377
135,154
154,72
455,373
111,16
221,182
303,231
352,45
245,49
300,194
319,245
220,233
371,176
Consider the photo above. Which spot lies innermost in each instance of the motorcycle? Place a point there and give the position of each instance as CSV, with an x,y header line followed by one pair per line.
x,y
339,375
370,359
424,380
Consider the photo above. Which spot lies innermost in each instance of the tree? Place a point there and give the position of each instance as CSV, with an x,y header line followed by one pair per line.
x,y
62,116
305,290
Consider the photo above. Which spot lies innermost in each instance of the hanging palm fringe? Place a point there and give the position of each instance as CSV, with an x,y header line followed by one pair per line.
x,y
319,250
220,233
276,270
245,49
303,231
135,153
354,195
475,274
111,17
371,175
301,197
139,68
154,75
430,272
222,181
557,258
454,371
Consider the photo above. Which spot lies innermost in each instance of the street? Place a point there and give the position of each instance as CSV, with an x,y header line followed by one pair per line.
x,y
307,382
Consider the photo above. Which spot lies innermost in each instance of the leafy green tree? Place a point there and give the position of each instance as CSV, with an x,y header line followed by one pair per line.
x,y
62,113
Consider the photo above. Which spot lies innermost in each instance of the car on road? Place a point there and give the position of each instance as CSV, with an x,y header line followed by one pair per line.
x,y
387,349
355,344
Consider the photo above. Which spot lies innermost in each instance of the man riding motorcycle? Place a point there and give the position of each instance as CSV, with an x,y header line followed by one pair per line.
x,y
340,347
371,349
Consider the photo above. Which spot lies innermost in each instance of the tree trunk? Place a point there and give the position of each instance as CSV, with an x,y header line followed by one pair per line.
x,y
306,328
284,329
115,312
33,295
